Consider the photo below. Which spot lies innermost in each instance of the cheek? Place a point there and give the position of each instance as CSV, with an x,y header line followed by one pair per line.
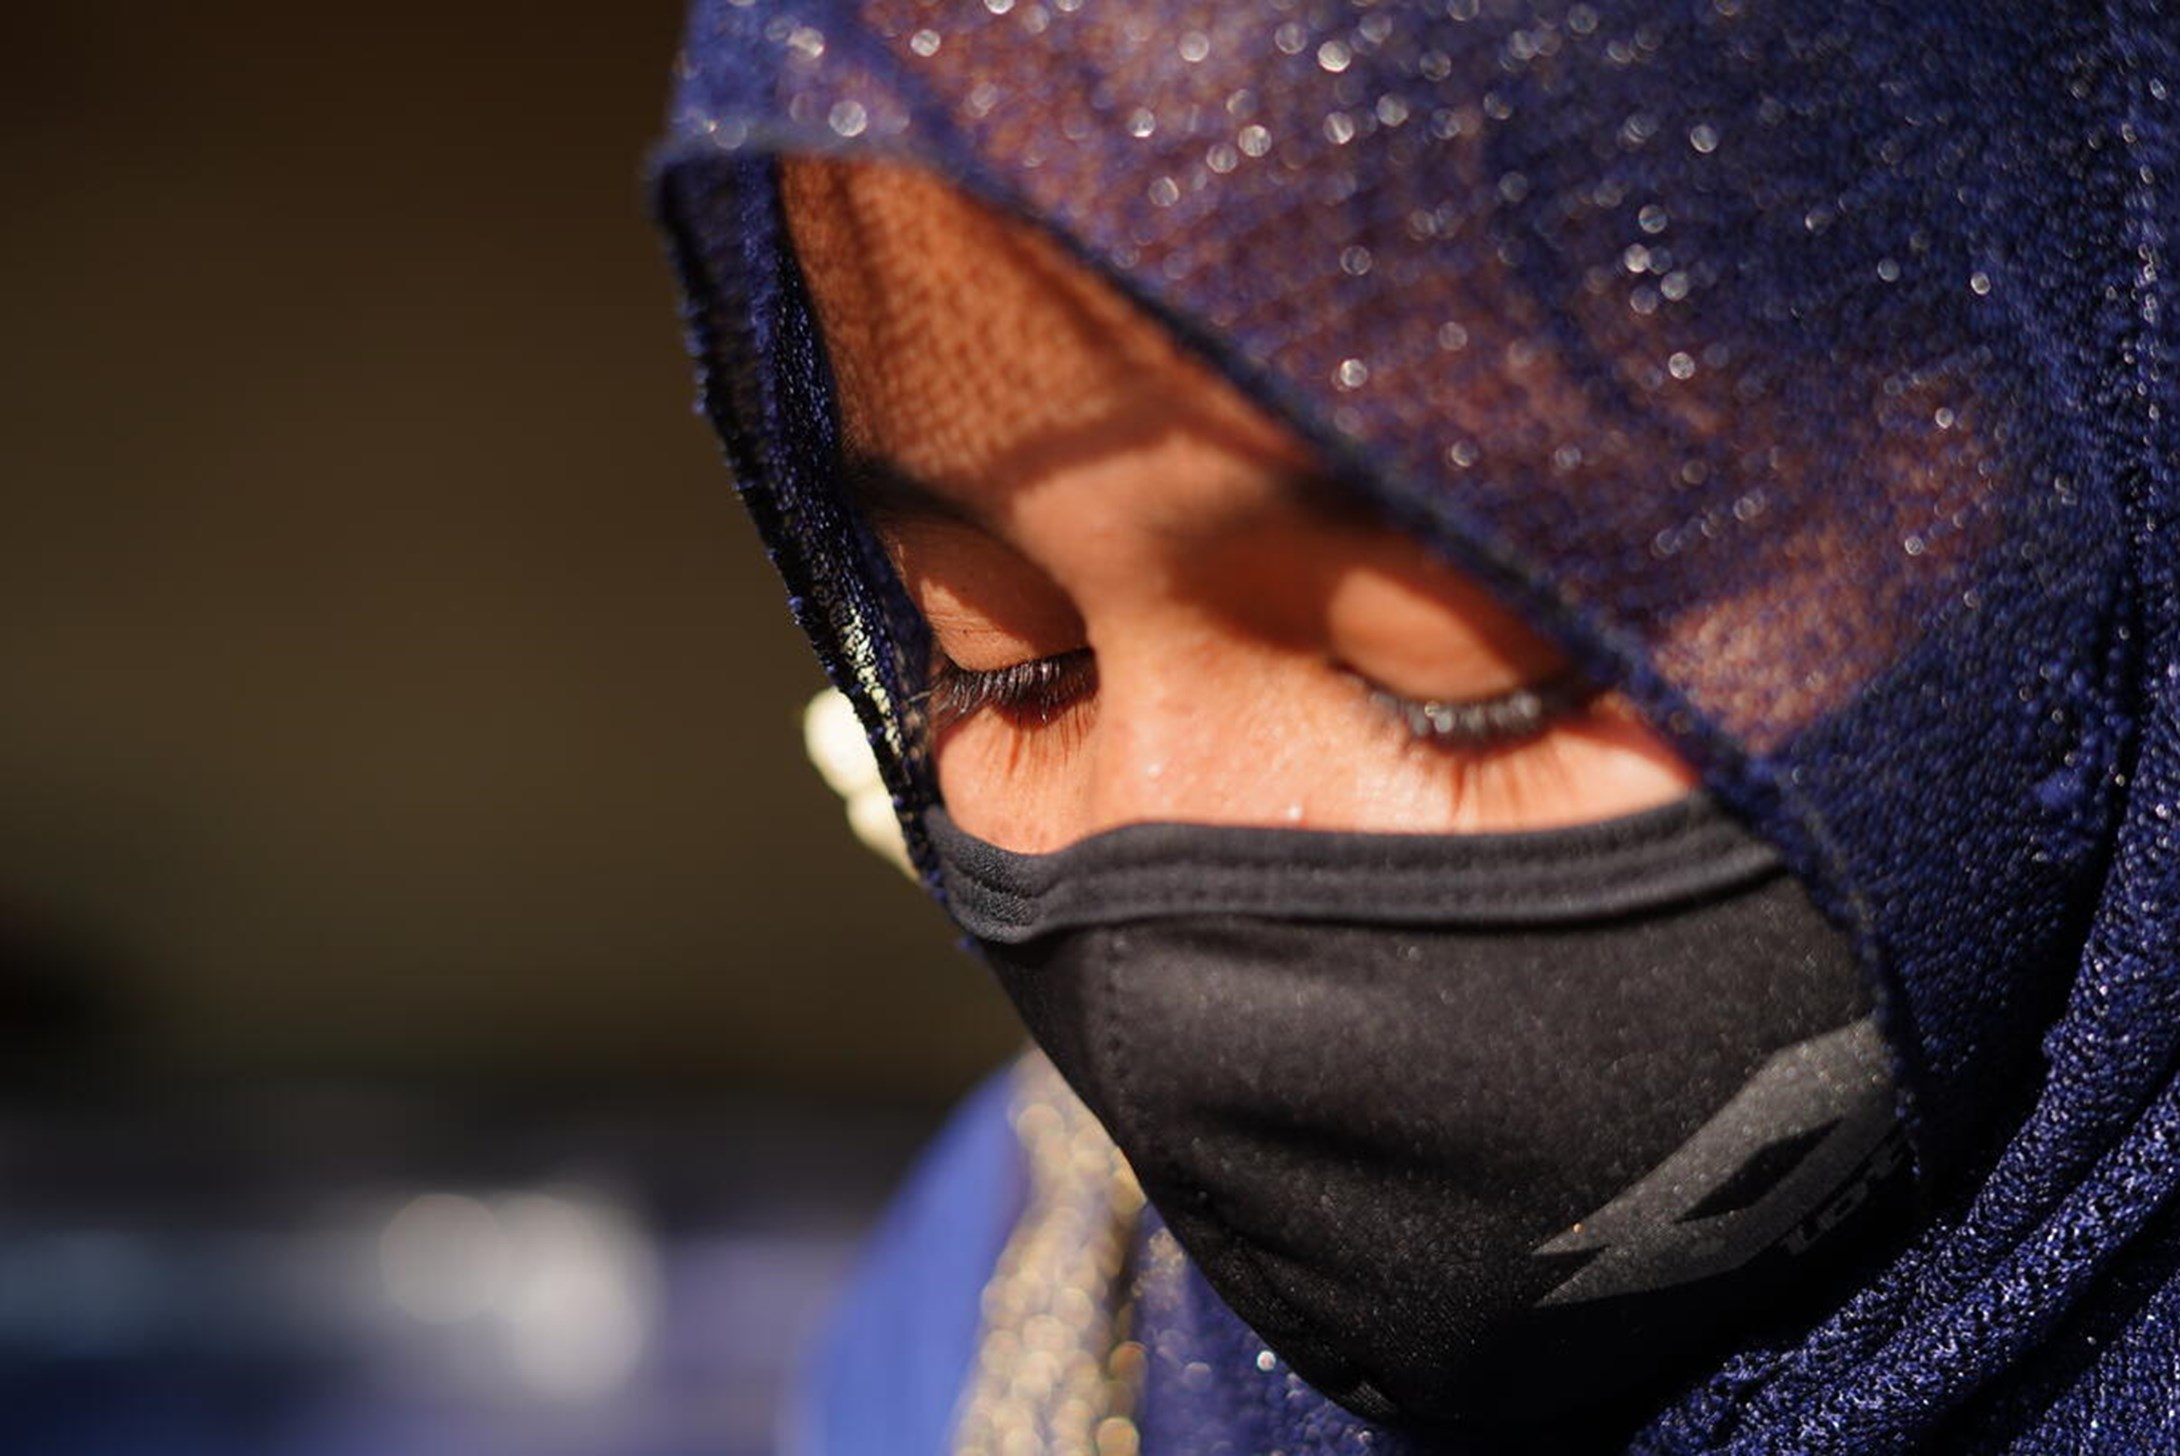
x,y
1602,765
1019,787
1621,763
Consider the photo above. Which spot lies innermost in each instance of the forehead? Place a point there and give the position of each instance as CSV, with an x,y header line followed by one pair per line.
x,y
971,353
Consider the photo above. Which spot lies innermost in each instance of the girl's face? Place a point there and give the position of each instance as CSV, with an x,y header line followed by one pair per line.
x,y
1146,602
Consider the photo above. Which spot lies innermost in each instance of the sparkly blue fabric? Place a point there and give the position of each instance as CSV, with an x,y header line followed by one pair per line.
x,y
1804,368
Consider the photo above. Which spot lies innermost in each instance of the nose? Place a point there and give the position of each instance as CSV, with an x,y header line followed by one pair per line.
x,y
1203,729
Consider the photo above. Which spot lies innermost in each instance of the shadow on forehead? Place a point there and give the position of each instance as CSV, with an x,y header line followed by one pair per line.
x,y
967,347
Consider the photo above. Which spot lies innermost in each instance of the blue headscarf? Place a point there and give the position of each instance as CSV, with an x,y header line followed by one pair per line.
x,y
1802,367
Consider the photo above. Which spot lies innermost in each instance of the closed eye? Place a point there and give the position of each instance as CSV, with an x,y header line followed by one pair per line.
x,y
1026,694
1482,725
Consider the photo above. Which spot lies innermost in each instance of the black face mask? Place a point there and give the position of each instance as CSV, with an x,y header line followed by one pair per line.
x,y
1470,1129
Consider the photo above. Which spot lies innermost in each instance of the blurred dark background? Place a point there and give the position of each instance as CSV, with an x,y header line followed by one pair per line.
x,y
406,850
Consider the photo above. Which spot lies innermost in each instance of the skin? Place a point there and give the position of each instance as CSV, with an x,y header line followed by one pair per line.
x,y
1049,472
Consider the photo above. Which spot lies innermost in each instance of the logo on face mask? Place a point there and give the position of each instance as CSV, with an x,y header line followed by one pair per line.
x,y
1794,1135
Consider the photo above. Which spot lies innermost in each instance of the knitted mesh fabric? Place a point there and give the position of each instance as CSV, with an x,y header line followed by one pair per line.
x,y
1801,367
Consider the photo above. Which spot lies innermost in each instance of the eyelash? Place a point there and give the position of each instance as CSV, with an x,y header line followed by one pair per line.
x,y
1027,694
1482,725
1035,692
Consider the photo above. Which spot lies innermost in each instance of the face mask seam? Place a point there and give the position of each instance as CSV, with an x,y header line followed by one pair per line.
x,y
1565,881
1655,889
